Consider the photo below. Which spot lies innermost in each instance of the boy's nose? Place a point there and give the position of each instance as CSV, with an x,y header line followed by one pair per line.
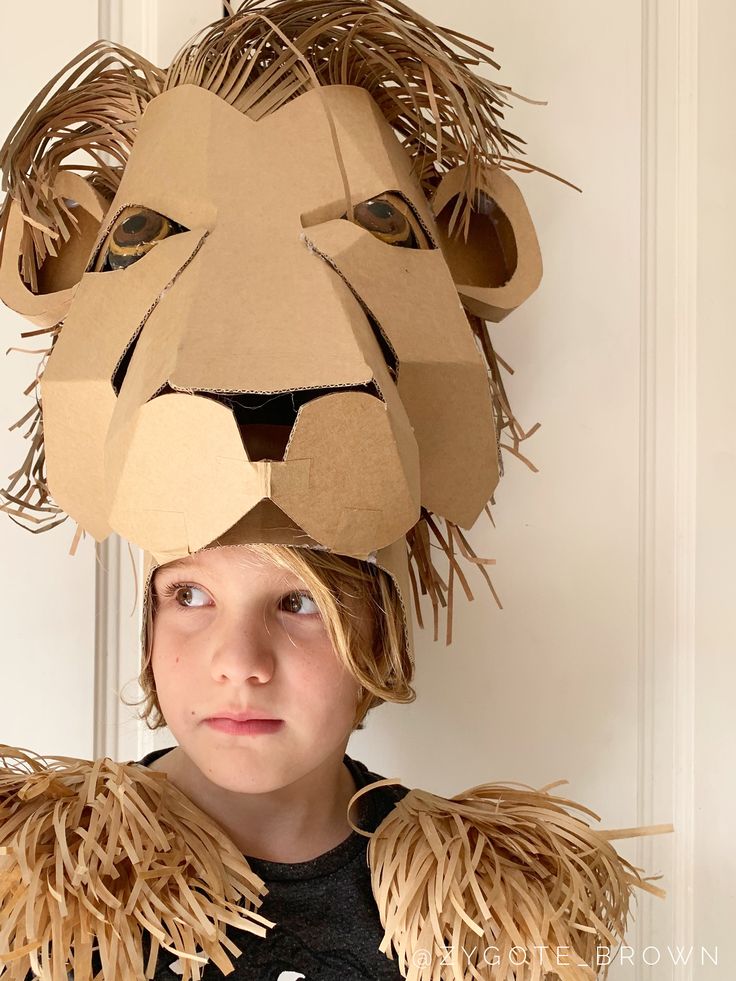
x,y
243,654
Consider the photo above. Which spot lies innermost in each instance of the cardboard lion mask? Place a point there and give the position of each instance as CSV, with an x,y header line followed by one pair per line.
x,y
266,273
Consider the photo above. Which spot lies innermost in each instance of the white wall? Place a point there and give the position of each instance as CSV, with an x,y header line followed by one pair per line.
x,y
561,657
547,688
714,681
47,600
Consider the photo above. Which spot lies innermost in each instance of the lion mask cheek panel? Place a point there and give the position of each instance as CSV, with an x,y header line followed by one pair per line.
x,y
441,379
275,348
76,388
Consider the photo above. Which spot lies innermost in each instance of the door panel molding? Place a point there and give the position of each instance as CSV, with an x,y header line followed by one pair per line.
x,y
668,465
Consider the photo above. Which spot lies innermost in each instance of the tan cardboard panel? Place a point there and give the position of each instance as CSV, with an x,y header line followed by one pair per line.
x,y
453,426
252,332
154,357
269,291
488,255
442,380
373,158
75,466
291,338
495,303
256,337
183,456
363,488
265,523
62,273
169,159
76,387
344,480
401,286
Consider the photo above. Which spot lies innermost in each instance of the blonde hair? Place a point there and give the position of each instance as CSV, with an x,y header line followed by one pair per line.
x,y
379,658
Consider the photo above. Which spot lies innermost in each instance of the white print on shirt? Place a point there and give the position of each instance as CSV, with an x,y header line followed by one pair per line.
x,y
177,968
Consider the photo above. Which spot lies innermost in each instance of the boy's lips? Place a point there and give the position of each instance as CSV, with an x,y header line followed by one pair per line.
x,y
248,716
250,727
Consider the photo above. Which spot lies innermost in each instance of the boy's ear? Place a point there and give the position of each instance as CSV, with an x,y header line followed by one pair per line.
x,y
47,303
499,264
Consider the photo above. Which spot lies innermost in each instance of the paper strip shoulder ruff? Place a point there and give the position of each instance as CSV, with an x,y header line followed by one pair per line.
x,y
111,858
501,882
99,855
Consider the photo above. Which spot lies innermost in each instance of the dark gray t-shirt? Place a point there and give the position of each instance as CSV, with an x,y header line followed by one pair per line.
x,y
327,924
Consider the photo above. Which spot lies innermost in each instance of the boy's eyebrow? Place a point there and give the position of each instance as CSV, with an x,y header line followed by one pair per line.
x,y
176,564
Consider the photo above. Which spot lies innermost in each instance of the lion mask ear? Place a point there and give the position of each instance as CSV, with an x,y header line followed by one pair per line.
x,y
499,264
46,301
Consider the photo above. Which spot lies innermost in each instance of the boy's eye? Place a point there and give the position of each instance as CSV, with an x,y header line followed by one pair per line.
x,y
190,596
297,602
135,232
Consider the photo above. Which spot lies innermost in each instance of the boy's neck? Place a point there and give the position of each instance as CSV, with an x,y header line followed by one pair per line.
x,y
295,823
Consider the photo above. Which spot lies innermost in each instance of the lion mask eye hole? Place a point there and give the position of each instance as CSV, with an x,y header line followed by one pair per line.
x,y
391,219
134,233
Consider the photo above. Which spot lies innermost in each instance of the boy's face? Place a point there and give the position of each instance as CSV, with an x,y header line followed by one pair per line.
x,y
236,633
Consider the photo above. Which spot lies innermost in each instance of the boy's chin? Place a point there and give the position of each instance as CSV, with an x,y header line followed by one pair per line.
x,y
241,768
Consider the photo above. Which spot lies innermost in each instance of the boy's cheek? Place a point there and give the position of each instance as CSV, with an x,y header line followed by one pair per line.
x,y
173,686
